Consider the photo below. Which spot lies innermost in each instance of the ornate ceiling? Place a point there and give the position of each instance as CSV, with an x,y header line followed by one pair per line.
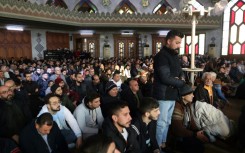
x,y
32,13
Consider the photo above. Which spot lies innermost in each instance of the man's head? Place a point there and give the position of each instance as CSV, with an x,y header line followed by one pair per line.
x,y
79,77
45,76
1,74
207,79
11,85
92,100
173,40
186,92
91,71
149,107
134,86
5,93
111,89
53,103
116,76
95,79
56,89
44,123
28,75
119,113
57,70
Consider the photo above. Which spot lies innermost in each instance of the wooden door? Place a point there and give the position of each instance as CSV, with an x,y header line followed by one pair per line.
x,y
88,44
15,44
125,46
157,43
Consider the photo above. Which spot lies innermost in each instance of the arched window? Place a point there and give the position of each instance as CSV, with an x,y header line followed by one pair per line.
x,y
121,49
199,44
234,28
161,8
86,6
125,7
59,3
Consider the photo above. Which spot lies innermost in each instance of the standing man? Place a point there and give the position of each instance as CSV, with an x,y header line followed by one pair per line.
x,y
168,77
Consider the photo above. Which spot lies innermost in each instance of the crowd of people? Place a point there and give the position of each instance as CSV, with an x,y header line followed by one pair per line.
x,y
116,105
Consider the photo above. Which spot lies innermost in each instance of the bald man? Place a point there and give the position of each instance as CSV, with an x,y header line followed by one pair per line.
x,y
12,119
132,95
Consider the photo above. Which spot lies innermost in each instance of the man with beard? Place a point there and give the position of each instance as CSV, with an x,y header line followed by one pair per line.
x,y
20,98
168,77
64,119
145,125
33,93
65,100
117,126
12,119
80,87
96,85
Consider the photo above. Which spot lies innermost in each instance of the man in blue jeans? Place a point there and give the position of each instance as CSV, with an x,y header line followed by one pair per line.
x,y
168,77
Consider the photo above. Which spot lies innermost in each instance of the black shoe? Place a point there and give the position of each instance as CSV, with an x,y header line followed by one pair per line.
x,y
167,150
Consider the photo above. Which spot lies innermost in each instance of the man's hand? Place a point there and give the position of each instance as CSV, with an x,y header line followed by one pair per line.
x,y
200,135
16,138
79,142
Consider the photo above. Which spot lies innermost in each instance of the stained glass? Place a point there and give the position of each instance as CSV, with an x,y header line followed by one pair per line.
x,y
234,38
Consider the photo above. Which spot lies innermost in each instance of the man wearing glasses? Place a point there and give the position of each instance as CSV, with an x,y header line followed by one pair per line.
x,y
62,116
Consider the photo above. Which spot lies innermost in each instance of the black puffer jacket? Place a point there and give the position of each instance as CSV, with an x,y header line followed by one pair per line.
x,y
167,74
131,146
141,129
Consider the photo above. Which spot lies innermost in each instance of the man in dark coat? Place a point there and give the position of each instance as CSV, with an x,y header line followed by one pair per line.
x,y
168,77
145,125
132,96
33,93
117,126
43,136
80,87
12,118
205,91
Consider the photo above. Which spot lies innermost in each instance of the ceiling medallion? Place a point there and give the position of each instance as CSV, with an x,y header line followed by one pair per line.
x,y
145,3
106,2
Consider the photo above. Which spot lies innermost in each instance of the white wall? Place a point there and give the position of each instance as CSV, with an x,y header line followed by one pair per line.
x,y
38,42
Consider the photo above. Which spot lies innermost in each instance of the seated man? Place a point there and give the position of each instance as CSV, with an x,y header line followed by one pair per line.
x,y
117,126
133,96
43,136
88,115
197,122
62,116
145,125
12,116
205,91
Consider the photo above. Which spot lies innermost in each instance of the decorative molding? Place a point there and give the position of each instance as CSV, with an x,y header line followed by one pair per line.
x,y
51,14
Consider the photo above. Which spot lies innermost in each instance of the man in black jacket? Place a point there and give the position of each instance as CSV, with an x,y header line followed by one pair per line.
x,y
145,125
43,136
168,77
132,96
117,126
